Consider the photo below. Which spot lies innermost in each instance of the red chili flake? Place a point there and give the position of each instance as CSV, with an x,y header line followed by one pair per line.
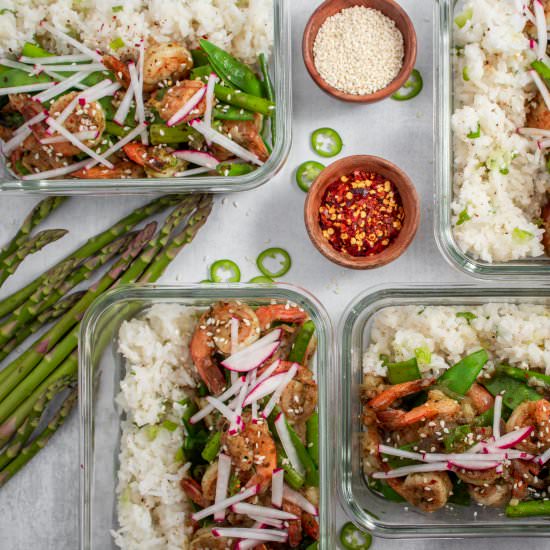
x,y
361,214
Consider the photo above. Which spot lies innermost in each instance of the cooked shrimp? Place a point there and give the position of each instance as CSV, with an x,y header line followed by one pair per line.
x,y
267,315
119,68
203,539
122,170
246,133
427,491
532,413
208,481
372,385
168,63
539,115
253,449
295,525
479,477
176,97
310,526
480,398
525,475
34,157
496,495
194,491
157,161
388,396
370,442
299,398
545,216
437,406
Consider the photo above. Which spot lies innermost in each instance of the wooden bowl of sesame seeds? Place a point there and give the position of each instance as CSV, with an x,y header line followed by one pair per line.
x,y
337,58
406,214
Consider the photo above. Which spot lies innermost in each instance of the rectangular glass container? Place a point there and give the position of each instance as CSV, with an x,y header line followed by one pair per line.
x,y
443,166
281,72
368,510
102,367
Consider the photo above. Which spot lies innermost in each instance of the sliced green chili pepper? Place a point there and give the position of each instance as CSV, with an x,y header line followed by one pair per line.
x,y
475,134
220,267
299,348
460,495
270,94
529,509
199,57
212,447
292,477
34,50
460,377
243,100
233,169
463,217
523,375
411,88
352,538
274,253
229,112
261,279
404,371
231,69
312,474
456,437
381,487
312,437
326,142
513,392
307,173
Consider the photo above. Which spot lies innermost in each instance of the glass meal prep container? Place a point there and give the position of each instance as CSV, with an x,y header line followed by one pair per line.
x,y
367,509
444,13
281,71
102,368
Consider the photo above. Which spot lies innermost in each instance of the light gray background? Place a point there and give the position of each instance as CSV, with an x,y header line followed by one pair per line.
x,y
39,508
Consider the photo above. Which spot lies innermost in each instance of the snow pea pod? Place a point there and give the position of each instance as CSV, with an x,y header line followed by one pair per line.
x,y
312,474
244,100
199,57
232,169
170,135
229,112
270,94
231,69
312,437
523,375
299,349
513,392
292,477
201,73
460,377
403,371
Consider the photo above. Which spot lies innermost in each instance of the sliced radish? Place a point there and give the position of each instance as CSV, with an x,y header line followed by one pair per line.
x,y
261,344
534,132
53,59
290,450
513,438
246,360
269,371
262,511
86,69
58,89
70,40
192,172
497,415
138,96
200,158
541,87
236,424
267,387
230,392
226,503
300,500
542,30
267,521
222,483
77,143
247,544
543,458
83,136
277,484
287,377
57,172
27,89
225,142
41,69
18,138
16,65
246,532
224,409
473,464
213,79
416,468
124,107
187,107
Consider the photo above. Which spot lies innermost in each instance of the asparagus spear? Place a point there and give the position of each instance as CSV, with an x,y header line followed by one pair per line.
x,y
55,276
40,302
41,321
31,246
39,213
40,350
31,450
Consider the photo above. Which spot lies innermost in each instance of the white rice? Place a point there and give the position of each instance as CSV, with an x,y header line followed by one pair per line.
x,y
152,507
501,207
518,335
245,28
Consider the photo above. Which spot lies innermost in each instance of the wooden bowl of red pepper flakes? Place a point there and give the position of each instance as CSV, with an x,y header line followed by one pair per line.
x,y
362,212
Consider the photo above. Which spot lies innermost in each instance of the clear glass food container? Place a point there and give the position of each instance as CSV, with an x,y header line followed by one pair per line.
x,y
281,72
443,174
367,509
102,368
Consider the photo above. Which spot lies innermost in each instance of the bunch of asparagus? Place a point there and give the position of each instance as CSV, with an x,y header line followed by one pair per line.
x,y
43,377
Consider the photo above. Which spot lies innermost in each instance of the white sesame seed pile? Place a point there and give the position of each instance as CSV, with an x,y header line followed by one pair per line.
x,y
358,50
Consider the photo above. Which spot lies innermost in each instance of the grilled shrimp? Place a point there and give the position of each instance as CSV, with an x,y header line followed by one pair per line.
x,y
253,449
299,398
121,170
495,495
208,481
525,475
176,97
119,68
387,397
165,62
193,490
539,115
480,398
295,525
370,442
267,315
532,413
479,477
545,215
157,161
428,491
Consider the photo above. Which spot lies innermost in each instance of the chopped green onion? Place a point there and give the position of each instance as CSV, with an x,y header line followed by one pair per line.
x,y
468,315
423,355
169,425
117,9
520,235
476,134
465,75
463,217
116,44
464,17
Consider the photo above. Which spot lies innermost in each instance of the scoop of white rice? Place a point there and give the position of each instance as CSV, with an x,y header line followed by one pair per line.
x,y
245,28
500,181
518,335
152,508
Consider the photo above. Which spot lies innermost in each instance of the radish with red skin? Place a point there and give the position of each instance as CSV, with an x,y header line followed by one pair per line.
x,y
246,360
200,158
187,108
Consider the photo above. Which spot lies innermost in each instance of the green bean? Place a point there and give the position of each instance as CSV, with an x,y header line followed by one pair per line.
x,y
529,509
312,437
228,112
246,101
113,129
312,474
292,477
513,392
460,377
212,447
404,371
298,353
232,169
231,69
270,94
165,135
523,375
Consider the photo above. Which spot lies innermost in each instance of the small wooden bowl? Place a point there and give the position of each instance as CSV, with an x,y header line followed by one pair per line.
x,y
409,198
389,8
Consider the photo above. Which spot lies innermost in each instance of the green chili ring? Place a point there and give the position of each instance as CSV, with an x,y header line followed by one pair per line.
x,y
352,538
326,142
411,88
307,173
225,265
261,279
273,253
